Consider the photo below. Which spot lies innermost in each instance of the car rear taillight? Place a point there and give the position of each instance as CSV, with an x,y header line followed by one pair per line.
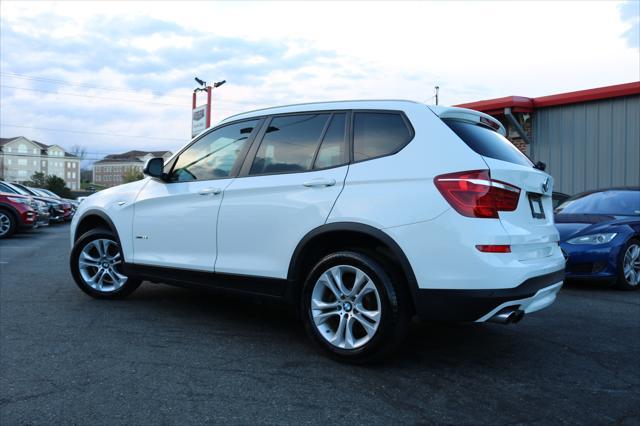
x,y
475,194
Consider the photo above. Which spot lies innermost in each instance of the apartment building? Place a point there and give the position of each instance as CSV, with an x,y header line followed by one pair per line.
x,y
21,157
111,170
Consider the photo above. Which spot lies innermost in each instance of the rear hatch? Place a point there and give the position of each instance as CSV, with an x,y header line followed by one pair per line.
x,y
530,225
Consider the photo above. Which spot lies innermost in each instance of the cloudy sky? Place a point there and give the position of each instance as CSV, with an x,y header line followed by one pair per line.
x,y
114,76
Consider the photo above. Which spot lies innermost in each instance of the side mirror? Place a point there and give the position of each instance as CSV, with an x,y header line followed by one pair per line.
x,y
154,168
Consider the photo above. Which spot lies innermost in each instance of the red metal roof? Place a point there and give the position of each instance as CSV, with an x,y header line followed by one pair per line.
x,y
522,104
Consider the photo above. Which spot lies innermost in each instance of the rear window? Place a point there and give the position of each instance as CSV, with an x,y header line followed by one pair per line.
x,y
487,142
376,134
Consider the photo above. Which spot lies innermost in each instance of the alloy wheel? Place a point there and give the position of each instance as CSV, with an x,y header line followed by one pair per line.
x,y
5,224
631,265
100,264
345,307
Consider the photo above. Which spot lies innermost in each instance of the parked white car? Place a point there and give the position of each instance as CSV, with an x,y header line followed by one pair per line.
x,y
362,213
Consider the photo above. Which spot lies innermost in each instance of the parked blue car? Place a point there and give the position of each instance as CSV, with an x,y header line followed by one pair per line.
x,y
600,235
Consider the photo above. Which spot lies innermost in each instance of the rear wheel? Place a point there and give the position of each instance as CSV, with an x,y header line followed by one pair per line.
x,y
96,265
629,267
7,224
353,309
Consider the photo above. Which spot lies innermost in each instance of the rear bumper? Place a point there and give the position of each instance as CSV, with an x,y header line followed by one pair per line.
x,y
443,254
479,305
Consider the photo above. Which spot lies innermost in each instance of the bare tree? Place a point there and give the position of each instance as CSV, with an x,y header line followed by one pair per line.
x,y
79,151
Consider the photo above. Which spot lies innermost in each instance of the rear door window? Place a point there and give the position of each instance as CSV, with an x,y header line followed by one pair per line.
x,y
289,144
333,150
487,142
376,134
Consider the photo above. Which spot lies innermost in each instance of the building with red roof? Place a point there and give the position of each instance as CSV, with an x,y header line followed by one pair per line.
x,y
589,139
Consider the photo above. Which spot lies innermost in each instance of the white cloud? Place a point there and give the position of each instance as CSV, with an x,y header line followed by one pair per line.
x,y
156,41
473,50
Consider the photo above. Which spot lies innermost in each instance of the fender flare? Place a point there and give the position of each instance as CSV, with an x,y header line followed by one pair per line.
x,y
363,229
102,215
12,210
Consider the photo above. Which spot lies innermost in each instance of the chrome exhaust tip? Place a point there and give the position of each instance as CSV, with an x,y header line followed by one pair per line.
x,y
508,315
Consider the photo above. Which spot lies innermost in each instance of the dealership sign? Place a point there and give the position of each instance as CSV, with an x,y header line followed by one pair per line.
x,y
199,119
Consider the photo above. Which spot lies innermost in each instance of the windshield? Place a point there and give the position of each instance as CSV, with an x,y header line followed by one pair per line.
x,y
40,192
47,193
487,142
612,202
6,188
16,189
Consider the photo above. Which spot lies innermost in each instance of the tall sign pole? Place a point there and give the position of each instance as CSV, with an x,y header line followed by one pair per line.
x,y
208,106
201,114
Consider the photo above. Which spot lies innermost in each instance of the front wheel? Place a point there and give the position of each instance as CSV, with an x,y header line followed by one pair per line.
x,y
7,224
353,309
96,265
629,267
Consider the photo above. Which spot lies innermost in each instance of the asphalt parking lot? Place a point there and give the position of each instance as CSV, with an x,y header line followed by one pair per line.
x,y
173,356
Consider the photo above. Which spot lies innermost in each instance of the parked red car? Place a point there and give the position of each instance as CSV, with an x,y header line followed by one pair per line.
x,y
68,210
15,213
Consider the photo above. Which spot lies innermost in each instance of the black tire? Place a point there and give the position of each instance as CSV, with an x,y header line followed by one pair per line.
x,y
395,305
6,215
130,285
621,281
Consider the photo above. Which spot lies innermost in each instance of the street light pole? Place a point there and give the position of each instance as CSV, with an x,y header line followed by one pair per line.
x,y
204,88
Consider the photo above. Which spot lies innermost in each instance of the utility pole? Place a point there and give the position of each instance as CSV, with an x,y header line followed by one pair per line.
x,y
201,115
437,90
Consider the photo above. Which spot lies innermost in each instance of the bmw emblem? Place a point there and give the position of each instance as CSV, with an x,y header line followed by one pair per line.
x,y
347,307
545,186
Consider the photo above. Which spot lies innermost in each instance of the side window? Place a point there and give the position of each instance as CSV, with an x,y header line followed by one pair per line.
x,y
333,148
376,134
289,144
213,156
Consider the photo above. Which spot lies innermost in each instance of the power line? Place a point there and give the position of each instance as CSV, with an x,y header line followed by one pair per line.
x,y
92,96
93,133
83,85
429,98
88,86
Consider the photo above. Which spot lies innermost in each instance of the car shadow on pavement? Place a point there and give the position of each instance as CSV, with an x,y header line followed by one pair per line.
x,y
427,343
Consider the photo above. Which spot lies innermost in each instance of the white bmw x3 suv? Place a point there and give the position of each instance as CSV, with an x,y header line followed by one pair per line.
x,y
362,213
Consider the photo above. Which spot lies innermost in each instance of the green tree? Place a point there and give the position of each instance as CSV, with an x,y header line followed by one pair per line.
x,y
132,175
37,180
57,185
